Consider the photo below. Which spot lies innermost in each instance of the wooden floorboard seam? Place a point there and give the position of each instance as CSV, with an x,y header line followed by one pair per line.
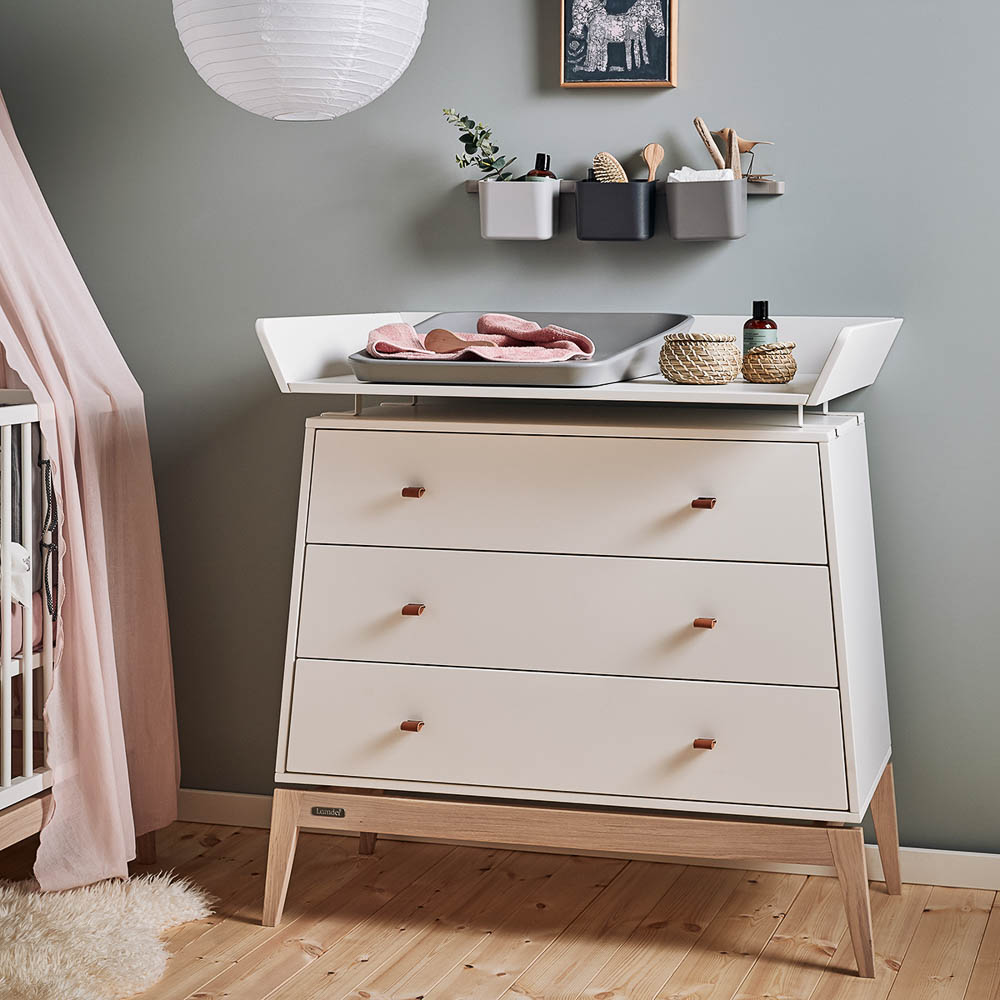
x,y
991,991
689,906
627,871
770,937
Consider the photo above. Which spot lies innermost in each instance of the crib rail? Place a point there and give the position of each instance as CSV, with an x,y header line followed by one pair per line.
x,y
25,679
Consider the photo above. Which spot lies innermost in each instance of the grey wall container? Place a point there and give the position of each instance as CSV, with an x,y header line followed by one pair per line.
x,y
615,211
707,210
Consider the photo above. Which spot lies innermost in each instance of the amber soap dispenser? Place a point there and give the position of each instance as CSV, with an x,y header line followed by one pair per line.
x,y
541,171
759,330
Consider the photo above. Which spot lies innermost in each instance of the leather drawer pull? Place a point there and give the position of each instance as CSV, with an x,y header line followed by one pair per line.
x,y
704,503
413,492
411,726
413,610
704,744
705,622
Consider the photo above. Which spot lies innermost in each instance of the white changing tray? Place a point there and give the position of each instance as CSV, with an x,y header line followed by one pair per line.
x,y
835,354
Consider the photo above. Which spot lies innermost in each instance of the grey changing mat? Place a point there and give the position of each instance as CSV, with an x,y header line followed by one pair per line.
x,y
627,347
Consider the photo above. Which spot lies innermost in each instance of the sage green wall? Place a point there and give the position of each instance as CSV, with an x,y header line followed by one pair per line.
x,y
189,218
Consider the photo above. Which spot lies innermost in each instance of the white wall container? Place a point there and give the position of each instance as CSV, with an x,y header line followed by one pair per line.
x,y
518,210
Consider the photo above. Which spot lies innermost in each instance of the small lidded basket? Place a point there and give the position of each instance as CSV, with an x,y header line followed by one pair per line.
x,y
700,358
770,363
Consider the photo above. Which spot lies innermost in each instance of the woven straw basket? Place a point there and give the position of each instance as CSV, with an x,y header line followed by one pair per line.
x,y
770,363
699,358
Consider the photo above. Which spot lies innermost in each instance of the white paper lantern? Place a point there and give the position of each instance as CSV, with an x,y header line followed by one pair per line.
x,y
300,60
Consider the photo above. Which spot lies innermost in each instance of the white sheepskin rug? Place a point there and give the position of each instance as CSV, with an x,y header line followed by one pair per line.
x,y
101,942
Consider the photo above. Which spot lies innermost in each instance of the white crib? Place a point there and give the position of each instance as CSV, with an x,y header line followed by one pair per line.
x,y
25,678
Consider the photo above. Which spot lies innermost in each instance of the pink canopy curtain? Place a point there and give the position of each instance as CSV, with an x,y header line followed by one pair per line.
x,y
110,716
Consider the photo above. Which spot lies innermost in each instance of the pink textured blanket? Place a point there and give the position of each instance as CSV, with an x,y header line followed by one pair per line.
x,y
512,339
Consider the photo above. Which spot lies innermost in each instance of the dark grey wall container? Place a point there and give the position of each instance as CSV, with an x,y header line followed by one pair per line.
x,y
707,210
615,211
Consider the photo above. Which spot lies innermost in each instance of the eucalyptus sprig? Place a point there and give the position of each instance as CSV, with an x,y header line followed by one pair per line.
x,y
480,150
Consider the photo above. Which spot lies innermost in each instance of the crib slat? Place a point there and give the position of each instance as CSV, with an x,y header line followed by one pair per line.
x,y
6,742
48,647
28,611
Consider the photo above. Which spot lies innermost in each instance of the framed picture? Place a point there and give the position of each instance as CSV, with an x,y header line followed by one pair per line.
x,y
619,43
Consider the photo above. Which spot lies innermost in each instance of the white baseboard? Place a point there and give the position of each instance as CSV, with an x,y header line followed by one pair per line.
x,y
195,805
919,865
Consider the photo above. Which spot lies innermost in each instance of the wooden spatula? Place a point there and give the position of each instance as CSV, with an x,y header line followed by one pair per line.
x,y
445,342
706,138
653,157
733,156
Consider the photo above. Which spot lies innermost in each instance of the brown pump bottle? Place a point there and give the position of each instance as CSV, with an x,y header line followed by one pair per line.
x,y
759,330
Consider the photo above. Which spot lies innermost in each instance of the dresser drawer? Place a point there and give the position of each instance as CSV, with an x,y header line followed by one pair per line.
x,y
624,736
604,496
582,614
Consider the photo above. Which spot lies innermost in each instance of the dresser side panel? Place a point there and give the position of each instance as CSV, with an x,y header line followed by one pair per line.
x,y
295,600
857,612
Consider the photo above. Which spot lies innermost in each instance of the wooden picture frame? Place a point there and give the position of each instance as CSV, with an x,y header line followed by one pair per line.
x,y
617,43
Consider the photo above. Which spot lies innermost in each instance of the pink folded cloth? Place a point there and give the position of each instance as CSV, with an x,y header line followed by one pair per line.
x,y
512,339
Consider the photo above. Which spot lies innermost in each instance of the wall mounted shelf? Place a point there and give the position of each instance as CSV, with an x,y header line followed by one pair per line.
x,y
774,187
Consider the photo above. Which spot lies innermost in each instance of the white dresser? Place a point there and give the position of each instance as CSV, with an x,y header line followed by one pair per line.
x,y
661,611
582,622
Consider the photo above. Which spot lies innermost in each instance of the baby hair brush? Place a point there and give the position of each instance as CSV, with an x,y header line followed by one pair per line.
x,y
608,170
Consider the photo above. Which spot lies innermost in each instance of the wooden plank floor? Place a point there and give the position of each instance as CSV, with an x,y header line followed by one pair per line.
x,y
432,922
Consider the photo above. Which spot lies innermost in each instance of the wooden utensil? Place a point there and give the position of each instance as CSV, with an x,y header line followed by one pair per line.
x,y
653,156
608,170
734,155
706,138
731,146
445,342
722,135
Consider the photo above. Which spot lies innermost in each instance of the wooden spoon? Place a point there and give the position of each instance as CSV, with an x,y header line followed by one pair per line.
x,y
445,342
653,157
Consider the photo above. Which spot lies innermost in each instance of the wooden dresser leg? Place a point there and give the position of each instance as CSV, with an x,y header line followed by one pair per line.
x,y
848,847
145,848
280,853
887,831
366,845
